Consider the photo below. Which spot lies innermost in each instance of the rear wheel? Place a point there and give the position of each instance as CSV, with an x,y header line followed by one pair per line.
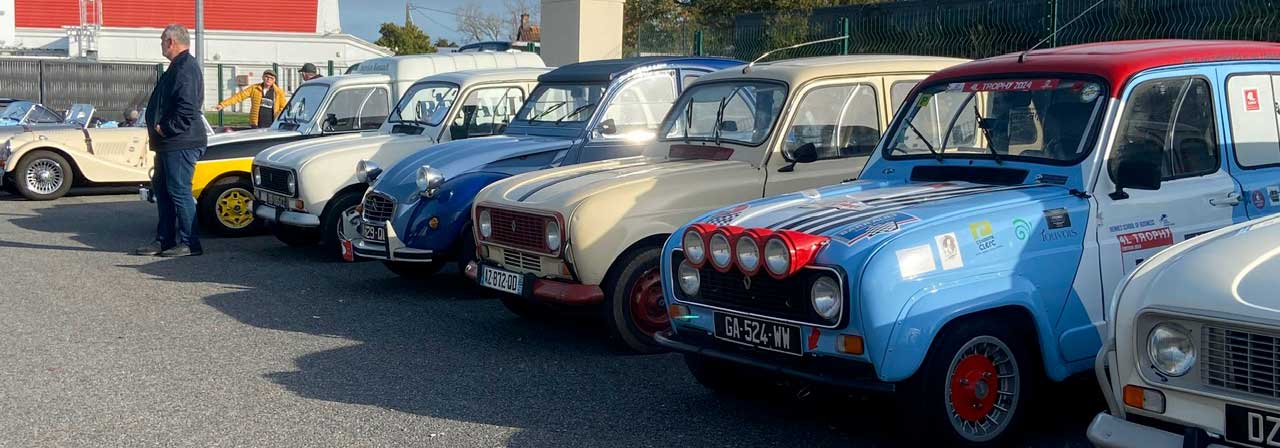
x,y
334,225
415,271
43,175
227,207
295,236
634,305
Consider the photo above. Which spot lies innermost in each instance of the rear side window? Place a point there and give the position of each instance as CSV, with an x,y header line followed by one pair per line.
x,y
1171,119
486,112
842,121
898,93
1254,130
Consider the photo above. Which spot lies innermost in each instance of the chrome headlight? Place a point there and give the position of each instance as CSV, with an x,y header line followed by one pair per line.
x,y
1171,349
748,253
429,180
293,184
777,258
482,221
553,235
825,295
721,255
367,171
693,248
689,279
257,175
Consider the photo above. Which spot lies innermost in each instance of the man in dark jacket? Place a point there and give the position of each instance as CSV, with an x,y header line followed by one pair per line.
x,y
178,139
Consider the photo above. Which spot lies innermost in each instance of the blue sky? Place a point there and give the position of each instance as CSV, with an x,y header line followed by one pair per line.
x,y
362,17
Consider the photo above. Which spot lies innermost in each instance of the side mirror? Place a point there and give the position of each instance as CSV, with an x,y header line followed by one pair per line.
x,y
728,126
805,153
1138,167
608,127
330,122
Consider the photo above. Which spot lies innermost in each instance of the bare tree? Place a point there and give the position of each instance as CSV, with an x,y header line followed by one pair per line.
x,y
476,25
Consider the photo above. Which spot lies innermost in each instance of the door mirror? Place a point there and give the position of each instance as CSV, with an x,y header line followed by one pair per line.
x,y
805,153
1137,167
330,122
607,127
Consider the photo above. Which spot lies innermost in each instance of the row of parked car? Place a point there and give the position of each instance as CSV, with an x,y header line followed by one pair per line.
x,y
954,232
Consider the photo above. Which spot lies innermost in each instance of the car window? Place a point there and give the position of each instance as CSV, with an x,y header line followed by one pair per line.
x,y
426,103
747,111
303,104
898,93
41,115
841,121
1253,112
639,107
486,112
1171,119
561,103
344,108
375,109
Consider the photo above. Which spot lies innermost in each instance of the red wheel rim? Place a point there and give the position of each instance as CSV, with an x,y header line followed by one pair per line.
x,y
974,385
648,307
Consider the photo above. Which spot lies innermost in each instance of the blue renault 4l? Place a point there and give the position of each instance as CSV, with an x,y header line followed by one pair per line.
x,y
416,216
979,248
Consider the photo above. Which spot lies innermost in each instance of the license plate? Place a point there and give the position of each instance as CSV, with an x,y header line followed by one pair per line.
x,y
274,200
374,233
1253,427
758,333
501,280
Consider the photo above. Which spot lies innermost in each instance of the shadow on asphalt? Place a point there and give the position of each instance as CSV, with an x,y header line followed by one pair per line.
x,y
442,348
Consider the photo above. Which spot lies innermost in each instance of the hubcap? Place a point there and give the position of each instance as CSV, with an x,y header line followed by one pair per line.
x,y
235,208
648,307
982,389
44,176
348,224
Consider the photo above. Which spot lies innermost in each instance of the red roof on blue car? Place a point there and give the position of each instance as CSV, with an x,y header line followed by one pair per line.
x,y
1114,61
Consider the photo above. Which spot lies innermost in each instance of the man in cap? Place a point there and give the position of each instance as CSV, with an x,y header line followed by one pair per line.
x,y
309,72
266,100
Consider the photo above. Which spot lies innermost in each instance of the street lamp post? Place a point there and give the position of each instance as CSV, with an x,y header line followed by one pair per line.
x,y
200,32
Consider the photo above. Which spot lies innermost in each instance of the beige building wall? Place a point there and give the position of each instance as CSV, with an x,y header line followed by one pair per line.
x,y
581,30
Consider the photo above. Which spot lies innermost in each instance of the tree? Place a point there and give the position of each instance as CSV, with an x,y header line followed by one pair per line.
x,y
407,39
446,43
476,25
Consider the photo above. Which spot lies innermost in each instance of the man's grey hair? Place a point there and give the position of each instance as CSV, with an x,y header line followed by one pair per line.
x,y
177,33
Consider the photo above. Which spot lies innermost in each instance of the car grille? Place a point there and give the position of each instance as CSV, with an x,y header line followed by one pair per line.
x,y
515,259
518,230
1242,360
378,207
274,179
764,295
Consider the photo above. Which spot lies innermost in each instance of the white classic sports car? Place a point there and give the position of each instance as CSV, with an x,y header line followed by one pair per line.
x,y
42,163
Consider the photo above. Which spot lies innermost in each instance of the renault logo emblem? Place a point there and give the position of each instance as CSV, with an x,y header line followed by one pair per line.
x,y
513,226
746,282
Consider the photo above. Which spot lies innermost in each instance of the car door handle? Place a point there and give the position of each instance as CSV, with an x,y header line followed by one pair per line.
x,y
1232,200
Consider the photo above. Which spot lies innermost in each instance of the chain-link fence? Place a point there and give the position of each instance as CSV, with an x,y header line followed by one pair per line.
x,y
965,28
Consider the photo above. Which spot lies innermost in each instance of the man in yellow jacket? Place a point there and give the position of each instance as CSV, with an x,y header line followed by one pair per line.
x,y
266,100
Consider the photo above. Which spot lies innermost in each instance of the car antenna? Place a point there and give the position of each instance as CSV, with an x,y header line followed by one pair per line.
x,y
767,53
1023,56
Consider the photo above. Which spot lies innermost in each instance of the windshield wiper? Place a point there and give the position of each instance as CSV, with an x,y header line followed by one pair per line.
x,y
986,135
928,145
575,112
724,102
551,109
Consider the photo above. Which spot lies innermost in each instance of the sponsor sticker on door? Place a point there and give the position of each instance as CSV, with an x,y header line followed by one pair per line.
x,y
949,251
1147,239
914,261
1251,100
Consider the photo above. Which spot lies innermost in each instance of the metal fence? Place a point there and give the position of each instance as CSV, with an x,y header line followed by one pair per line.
x,y
964,28
111,87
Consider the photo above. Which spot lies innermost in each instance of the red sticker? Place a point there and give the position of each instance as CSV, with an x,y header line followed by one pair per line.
x,y
1012,85
348,252
1251,99
1146,239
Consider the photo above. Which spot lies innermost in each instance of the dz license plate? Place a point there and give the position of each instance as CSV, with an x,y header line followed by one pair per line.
x,y
274,200
501,280
374,233
758,333
1253,427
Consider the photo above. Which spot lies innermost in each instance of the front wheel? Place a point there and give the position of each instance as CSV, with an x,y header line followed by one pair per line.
x,y
336,224
973,387
634,305
227,207
43,176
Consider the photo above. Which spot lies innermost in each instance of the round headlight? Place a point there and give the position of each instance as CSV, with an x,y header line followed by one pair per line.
x,y
777,258
367,171
486,227
293,184
693,248
553,235
825,295
1171,350
721,256
257,176
748,254
688,277
429,180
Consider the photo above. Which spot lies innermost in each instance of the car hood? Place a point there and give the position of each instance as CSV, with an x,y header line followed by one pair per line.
x,y
293,155
1231,273
463,156
563,188
250,135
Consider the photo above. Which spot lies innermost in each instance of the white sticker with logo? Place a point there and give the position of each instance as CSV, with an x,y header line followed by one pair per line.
x,y
914,261
949,251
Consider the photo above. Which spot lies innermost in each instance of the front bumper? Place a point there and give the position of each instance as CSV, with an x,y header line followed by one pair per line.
x,y
830,371
290,217
553,291
1109,431
392,250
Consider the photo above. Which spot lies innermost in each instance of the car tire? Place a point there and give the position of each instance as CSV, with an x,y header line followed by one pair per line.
x,y
725,378
527,309
413,271
295,236
331,222
975,372
226,208
633,303
43,176
466,248
8,185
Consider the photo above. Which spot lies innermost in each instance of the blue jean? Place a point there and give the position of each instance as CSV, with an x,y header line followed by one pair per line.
x,y
172,185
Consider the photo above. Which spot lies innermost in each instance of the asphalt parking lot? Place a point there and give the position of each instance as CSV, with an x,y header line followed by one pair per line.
x,y
258,344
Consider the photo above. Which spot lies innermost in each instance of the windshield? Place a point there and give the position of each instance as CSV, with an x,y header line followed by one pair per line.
x,y
16,110
560,103
302,106
1032,119
426,103
79,115
749,111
